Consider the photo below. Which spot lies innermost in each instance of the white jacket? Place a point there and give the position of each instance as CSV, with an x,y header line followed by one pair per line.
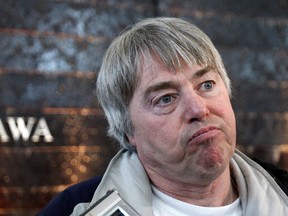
x,y
259,193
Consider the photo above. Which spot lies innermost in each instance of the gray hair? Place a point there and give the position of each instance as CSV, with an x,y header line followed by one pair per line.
x,y
172,40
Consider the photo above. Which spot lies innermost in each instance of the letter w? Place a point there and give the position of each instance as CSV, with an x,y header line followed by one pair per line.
x,y
20,129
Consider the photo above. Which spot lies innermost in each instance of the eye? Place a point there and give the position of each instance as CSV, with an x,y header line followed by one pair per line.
x,y
165,103
207,85
165,100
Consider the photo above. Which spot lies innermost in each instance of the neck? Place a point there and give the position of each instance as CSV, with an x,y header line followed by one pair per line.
x,y
219,192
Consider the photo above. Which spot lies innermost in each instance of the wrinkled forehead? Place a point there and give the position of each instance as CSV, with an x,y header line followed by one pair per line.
x,y
151,62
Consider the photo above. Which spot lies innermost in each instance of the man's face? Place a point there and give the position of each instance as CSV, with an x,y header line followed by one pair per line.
x,y
184,125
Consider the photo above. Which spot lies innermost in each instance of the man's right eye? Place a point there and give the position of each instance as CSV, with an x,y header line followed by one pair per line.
x,y
164,103
165,100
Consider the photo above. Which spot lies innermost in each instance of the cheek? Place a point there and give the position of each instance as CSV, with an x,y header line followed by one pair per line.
x,y
230,125
229,115
223,109
154,135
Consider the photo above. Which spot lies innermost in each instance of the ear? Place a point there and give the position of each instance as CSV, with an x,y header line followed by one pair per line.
x,y
131,140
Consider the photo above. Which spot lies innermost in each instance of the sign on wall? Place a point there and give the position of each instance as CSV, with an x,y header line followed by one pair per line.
x,y
56,146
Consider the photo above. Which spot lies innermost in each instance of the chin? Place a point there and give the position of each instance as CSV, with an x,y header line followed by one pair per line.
x,y
212,164
208,174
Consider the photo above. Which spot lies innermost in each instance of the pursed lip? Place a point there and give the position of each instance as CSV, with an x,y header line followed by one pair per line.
x,y
204,133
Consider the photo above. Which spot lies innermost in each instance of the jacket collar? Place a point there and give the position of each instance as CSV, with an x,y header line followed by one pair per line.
x,y
126,174
259,193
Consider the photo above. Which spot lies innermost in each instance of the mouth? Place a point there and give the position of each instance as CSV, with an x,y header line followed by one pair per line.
x,y
204,134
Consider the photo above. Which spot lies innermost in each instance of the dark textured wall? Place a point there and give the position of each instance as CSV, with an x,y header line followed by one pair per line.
x,y
51,52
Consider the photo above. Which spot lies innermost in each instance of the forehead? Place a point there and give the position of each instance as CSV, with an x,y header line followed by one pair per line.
x,y
154,70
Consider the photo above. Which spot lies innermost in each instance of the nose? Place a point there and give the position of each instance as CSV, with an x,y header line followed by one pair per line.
x,y
195,107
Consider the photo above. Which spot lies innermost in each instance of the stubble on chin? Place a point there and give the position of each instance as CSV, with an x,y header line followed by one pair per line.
x,y
211,161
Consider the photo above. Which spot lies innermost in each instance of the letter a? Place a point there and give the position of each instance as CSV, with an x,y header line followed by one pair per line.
x,y
3,135
42,130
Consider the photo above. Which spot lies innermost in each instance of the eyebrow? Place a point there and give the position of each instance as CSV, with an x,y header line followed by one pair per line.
x,y
202,72
171,84
161,86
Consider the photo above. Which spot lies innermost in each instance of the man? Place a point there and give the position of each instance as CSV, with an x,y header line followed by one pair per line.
x,y
166,96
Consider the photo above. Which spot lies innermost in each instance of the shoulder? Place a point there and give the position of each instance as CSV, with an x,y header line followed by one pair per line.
x,y
64,202
279,175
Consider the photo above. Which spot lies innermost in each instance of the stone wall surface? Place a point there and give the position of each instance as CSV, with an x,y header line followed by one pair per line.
x,y
51,52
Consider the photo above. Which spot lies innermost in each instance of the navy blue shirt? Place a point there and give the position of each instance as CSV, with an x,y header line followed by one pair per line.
x,y
64,203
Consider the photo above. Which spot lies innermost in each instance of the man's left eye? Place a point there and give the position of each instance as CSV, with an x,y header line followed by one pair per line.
x,y
208,85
